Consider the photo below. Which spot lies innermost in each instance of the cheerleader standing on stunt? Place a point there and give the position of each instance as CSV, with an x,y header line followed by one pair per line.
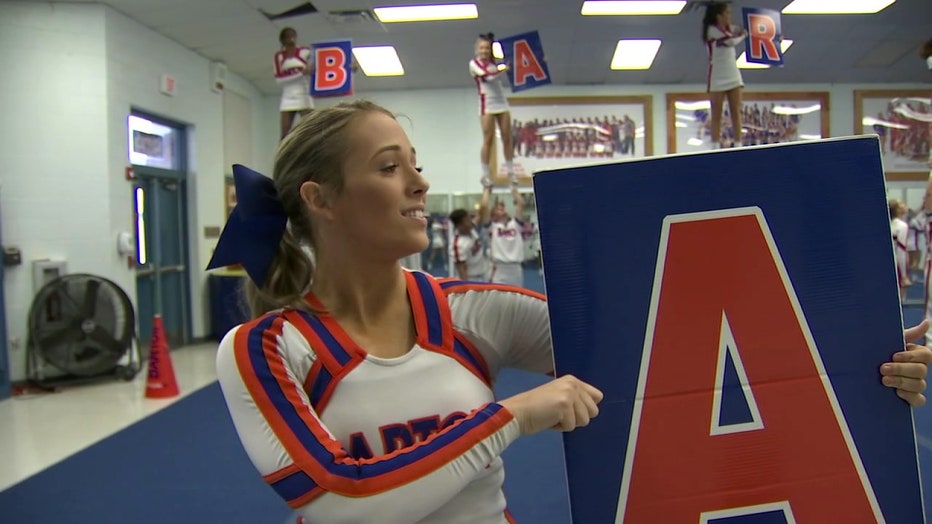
x,y
293,67
492,82
724,78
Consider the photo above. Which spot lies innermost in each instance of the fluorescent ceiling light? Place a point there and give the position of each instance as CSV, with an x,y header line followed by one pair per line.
x,y
744,64
907,99
835,7
871,121
378,60
903,106
912,114
423,13
497,50
693,106
632,7
635,54
790,110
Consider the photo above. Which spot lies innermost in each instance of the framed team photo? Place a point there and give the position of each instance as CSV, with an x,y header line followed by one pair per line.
x,y
901,118
555,132
767,118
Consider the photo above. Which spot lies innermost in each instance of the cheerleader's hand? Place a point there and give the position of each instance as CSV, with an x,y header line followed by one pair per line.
x,y
907,372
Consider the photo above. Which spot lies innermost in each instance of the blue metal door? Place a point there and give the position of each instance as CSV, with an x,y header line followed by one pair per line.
x,y
158,154
162,259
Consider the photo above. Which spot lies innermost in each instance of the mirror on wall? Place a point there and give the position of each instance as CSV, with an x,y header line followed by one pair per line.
x,y
911,194
436,258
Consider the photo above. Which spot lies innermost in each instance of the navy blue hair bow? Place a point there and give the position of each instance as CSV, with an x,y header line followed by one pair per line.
x,y
254,230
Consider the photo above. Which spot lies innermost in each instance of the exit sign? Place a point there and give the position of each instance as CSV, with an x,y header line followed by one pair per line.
x,y
167,85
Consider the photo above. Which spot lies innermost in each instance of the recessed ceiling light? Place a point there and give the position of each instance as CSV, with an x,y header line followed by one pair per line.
x,y
424,13
635,54
793,110
835,7
744,64
632,7
869,121
693,106
378,60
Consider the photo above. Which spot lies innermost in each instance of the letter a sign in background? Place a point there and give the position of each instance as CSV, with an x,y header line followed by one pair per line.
x,y
735,319
525,54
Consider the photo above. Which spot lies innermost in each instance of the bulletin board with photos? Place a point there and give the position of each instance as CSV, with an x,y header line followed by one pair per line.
x,y
902,118
569,131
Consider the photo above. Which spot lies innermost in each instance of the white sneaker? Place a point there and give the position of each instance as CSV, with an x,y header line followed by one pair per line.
x,y
486,181
513,178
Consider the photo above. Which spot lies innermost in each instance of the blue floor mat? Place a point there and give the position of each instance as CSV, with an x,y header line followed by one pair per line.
x,y
183,464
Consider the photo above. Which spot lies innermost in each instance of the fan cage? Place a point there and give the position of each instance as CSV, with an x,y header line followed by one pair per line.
x,y
83,325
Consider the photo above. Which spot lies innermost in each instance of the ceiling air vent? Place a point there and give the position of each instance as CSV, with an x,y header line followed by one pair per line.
x,y
351,16
299,10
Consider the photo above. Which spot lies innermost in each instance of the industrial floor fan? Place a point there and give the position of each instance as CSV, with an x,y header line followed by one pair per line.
x,y
84,327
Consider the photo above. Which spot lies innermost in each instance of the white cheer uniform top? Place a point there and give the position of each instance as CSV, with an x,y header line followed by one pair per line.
x,y
345,437
492,85
899,230
723,74
468,249
506,243
296,87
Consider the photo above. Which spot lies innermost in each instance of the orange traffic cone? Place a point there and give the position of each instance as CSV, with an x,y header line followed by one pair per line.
x,y
161,382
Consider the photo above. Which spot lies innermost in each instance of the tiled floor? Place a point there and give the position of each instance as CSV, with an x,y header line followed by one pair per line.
x,y
37,431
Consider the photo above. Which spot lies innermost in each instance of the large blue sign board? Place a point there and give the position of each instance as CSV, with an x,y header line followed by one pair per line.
x,y
735,307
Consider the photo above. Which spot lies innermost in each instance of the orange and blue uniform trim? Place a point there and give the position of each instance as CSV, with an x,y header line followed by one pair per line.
x,y
321,464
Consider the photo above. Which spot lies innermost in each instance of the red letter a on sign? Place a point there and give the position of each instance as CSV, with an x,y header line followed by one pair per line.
x,y
526,64
722,295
